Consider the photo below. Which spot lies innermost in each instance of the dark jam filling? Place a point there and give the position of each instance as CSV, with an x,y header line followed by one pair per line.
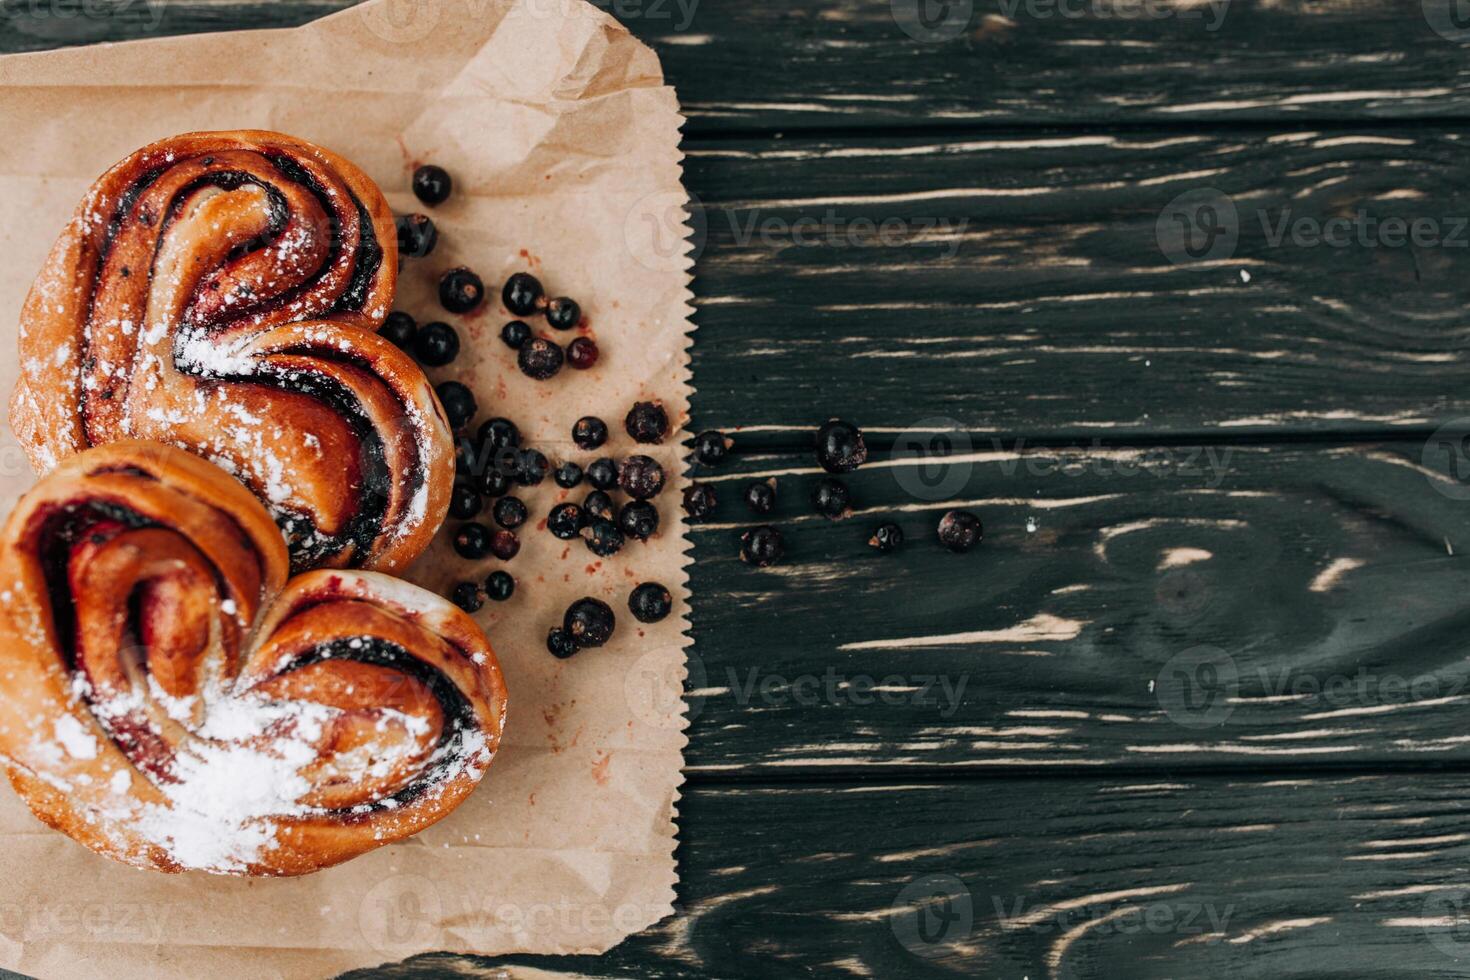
x,y
369,251
459,714
308,546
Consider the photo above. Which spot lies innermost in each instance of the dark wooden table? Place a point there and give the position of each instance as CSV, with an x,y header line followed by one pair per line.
x,y
1182,289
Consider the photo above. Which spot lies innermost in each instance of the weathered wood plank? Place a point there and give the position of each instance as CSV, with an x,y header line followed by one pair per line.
x,y
855,63
1024,285
1064,880
1219,605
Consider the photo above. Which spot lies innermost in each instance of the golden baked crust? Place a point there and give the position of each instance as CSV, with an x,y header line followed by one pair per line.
x,y
220,292
172,701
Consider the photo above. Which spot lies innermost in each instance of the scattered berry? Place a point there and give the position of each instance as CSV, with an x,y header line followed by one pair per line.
x,y
563,313
589,432
417,236
641,477
959,531
566,521
590,622
603,473
760,496
560,643
582,353
510,512
638,519
505,545
699,500
647,422
472,541
437,344
460,290
603,538
499,433
466,595
762,546
515,334
531,468
459,403
464,502
711,447
500,585
494,482
522,294
432,184
598,506
888,537
567,475
400,328
650,602
840,447
539,358
830,498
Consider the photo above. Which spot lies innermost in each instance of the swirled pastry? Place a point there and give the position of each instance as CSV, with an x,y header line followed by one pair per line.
x,y
170,700
220,292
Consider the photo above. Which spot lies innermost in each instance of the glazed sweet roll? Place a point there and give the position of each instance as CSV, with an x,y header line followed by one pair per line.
x,y
220,292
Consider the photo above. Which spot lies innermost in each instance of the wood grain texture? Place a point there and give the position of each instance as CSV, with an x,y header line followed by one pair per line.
x,y
1023,285
1095,879
1220,605
851,63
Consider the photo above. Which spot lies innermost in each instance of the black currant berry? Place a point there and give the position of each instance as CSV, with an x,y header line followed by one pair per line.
x,y
959,531
539,358
400,328
887,537
472,541
567,475
531,468
510,512
464,502
589,432
432,184
460,290
582,353
603,538
647,422
603,473
515,334
840,447
560,643
762,546
436,345
417,236
466,595
505,545
500,585
598,506
711,447
499,433
699,500
760,496
459,403
638,519
641,477
522,294
494,482
563,313
590,622
566,521
830,498
650,602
